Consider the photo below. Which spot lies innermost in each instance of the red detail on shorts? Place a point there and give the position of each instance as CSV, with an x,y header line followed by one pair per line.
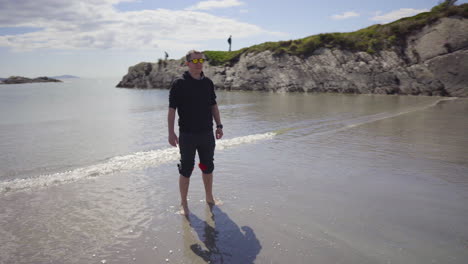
x,y
202,166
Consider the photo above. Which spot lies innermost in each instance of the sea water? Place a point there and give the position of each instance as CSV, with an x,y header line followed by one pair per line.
x,y
87,176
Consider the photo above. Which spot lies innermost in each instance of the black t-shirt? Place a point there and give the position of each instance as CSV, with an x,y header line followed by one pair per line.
x,y
193,100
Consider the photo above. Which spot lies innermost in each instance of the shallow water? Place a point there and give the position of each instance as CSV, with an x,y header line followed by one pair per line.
x,y
87,176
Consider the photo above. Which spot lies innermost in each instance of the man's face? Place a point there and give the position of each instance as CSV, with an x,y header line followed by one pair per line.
x,y
195,67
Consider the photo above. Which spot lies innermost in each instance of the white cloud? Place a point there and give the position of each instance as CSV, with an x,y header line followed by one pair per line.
x,y
345,15
212,4
396,14
96,24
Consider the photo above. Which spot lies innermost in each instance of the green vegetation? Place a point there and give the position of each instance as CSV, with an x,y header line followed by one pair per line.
x,y
443,6
371,39
221,57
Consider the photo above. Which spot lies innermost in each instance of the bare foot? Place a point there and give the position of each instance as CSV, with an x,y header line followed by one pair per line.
x,y
214,201
184,210
210,200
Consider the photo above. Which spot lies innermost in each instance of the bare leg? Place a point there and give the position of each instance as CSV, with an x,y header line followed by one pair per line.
x,y
208,182
183,187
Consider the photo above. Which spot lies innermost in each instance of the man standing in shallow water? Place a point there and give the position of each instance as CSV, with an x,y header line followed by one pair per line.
x,y
194,98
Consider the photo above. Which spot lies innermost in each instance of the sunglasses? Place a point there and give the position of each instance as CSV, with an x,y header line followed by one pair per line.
x,y
197,60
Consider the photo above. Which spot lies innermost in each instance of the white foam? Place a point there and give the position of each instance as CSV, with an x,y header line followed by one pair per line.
x,y
226,143
234,106
138,160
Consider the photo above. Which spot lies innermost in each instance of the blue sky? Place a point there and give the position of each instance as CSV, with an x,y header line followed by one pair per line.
x,y
102,38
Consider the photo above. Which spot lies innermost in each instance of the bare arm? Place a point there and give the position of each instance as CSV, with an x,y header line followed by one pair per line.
x,y
173,140
217,118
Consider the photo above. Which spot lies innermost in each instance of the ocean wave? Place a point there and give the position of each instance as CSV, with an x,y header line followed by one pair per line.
x,y
134,161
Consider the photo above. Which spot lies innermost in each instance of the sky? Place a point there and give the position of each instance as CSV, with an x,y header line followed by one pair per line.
x,y
103,38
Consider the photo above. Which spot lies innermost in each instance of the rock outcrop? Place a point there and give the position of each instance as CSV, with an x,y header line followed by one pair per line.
x,y
434,62
19,79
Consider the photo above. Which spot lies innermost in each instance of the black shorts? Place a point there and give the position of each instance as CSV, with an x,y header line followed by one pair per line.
x,y
189,143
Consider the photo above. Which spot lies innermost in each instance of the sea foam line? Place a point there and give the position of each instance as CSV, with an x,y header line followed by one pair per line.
x,y
382,116
326,128
138,160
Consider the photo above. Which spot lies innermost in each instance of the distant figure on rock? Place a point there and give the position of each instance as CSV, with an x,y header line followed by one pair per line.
x,y
230,41
166,55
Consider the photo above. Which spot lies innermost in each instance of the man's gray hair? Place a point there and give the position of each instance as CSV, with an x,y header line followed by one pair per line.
x,y
188,57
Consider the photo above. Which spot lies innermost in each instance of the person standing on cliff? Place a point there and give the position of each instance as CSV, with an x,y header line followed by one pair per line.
x,y
230,41
194,98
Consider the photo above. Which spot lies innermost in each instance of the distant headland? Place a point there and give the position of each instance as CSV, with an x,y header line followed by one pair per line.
x,y
20,79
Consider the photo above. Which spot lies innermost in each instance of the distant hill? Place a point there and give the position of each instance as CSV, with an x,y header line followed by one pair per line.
x,y
65,77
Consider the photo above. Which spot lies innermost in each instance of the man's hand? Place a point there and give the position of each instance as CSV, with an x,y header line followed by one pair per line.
x,y
219,133
173,139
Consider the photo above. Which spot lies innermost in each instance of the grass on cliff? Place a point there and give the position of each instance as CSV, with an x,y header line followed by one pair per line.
x,y
371,39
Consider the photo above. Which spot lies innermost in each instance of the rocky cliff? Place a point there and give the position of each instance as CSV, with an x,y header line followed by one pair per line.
x,y
433,61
